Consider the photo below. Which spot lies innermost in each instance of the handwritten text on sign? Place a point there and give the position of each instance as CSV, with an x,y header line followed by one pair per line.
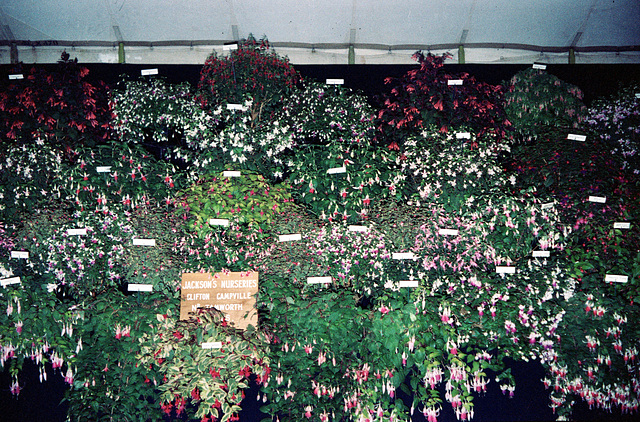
x,y
231,293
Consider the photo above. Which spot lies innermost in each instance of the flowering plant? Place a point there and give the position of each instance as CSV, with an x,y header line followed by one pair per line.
x,y
61,107
615,121
535,98
252,73
427,97
159,115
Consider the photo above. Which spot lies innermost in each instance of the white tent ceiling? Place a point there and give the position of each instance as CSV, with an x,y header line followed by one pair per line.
x,y
322,32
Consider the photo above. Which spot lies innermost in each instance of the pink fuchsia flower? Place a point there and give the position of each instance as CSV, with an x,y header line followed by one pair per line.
x,y
19,325
307,411
384,310
15,388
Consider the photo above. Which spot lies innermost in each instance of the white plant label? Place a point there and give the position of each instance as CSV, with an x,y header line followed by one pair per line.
x,y
621,225
337,170
505,270
230,173
454,82
212,345
219,222
403,255
463,135
230,47
144,242
547,205
616,278
135,287
541,254
358,228
147,72
77,232
236,107
289,237
20,254
408,283
599,199
16,76
335,82
540,66
448,232
103,169
575,137
319,280
8,281
637,94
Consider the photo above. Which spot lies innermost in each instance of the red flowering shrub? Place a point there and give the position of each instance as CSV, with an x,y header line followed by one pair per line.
x,y
253,73
60,106
429,97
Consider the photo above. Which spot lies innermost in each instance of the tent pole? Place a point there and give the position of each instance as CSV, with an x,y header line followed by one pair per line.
x,y
121,57
461,59
572,56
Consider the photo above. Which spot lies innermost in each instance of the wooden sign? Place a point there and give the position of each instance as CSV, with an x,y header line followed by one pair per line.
x,y
233,294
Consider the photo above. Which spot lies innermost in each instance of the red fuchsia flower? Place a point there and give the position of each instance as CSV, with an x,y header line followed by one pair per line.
x,y
214,373
19,325
308,349
384,310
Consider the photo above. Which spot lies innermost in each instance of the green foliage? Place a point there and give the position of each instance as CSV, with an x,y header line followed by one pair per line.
x,y
247,200
535,98
212,378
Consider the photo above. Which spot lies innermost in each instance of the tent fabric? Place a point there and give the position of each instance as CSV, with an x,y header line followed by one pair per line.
x,y
314,32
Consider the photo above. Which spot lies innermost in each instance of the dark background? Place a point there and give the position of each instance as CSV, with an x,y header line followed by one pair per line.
x,y
42,402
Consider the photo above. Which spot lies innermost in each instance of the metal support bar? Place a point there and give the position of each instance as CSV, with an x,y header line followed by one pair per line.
x,y
572,56
461,54
121,56
14,53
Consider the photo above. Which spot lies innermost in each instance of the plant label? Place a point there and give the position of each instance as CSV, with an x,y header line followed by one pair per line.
x,y
219,222
574,137
337,170
289,237
319,280
448,232
463,135
144,242
547,205
541,254
135,287
612,278
540,66
599,199
16,76
335,82
637,94
621,225
454,82
103,169
212,345
230,173
8,281
232,293
148,72
358,229
505,269
408,283
403,255
236,107
230,46
77,232
20,254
